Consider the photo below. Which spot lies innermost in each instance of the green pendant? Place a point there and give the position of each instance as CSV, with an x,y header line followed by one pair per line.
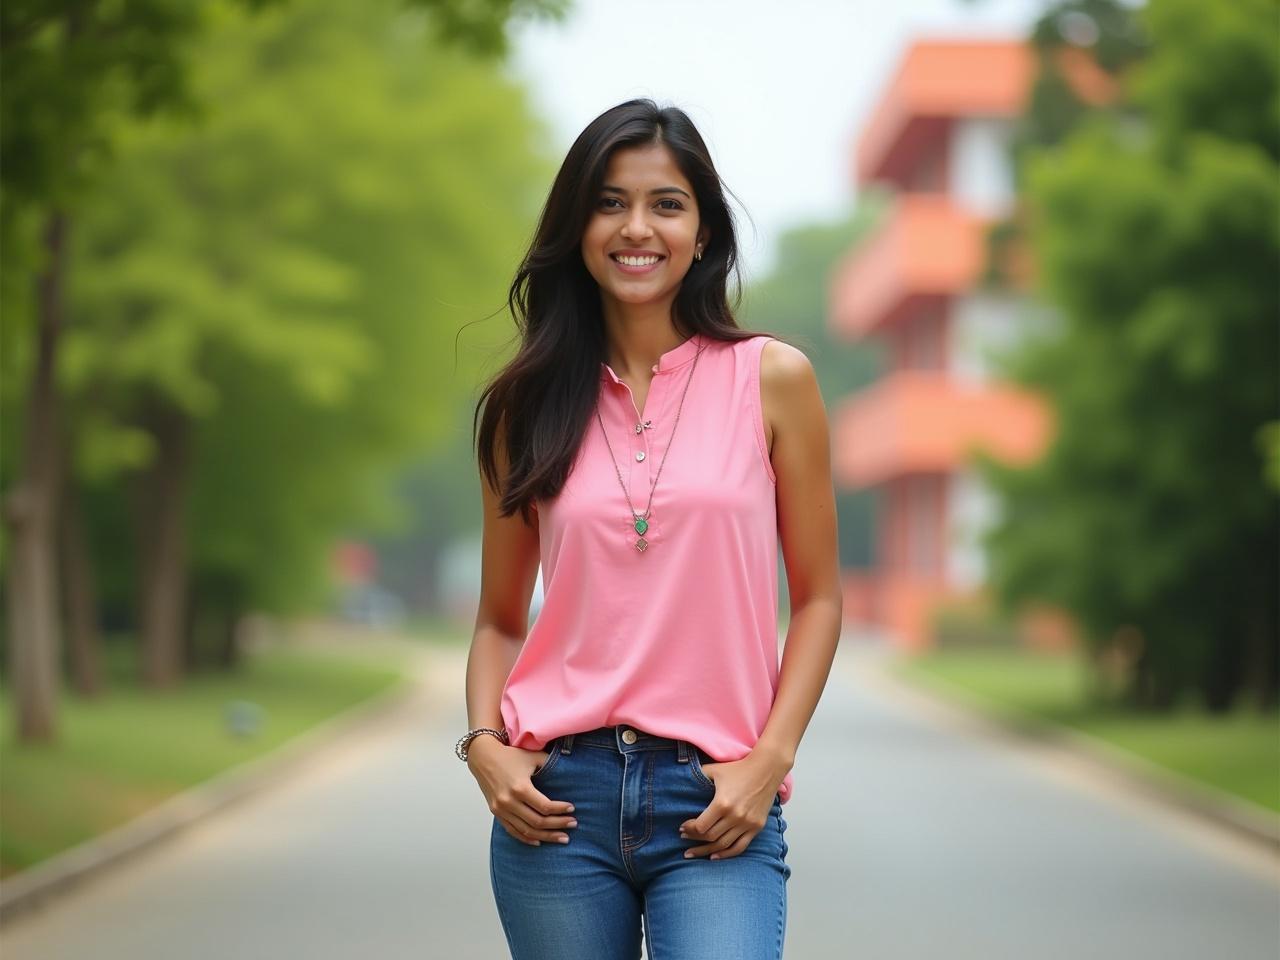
x,y
641,525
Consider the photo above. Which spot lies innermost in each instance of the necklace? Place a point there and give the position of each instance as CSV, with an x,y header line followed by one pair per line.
x,y
640,521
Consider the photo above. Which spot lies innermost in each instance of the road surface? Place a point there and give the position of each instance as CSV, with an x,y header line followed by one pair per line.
x,y
913,836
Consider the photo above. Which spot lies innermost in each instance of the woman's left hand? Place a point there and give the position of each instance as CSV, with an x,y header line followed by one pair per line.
x,y
745,791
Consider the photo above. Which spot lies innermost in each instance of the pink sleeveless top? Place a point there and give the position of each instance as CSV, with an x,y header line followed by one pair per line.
x,y
681,639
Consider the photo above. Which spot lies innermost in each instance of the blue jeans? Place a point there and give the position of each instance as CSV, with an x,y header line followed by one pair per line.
x,y
624,869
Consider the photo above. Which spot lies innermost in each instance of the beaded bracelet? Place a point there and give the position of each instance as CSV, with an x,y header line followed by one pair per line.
x,y
460,748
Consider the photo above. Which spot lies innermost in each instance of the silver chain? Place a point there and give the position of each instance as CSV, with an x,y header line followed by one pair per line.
x,y
648,510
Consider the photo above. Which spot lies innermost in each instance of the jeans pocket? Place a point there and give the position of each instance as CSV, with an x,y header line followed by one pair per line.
x,y
553,750
695,767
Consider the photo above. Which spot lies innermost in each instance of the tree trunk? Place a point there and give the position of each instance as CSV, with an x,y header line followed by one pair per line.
x,y
163,546
84,638
1220,678
193,629
1155,687
229,652
1262,654
30,514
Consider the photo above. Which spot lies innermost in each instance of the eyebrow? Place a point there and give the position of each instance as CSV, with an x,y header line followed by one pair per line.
x,y
612,189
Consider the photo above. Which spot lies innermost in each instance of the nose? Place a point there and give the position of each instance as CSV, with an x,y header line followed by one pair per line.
x,y
637,224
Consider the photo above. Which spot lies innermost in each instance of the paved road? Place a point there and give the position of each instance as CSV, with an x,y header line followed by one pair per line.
x,y
911,833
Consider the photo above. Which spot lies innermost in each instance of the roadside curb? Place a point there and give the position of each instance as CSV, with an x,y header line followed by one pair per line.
x,y
1252,821
30,889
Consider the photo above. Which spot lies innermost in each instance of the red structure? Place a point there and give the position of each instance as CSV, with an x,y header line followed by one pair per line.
x,y
939,138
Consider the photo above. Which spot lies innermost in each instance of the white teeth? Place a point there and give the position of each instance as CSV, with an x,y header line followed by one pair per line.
x,y
637,261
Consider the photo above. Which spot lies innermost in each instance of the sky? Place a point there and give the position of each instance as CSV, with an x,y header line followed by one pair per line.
x,y
778,91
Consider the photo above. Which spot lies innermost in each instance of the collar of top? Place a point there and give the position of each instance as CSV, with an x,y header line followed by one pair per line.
x,y
673,358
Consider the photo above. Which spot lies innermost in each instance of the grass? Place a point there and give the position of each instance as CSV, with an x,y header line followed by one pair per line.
x,y
1238,753
123,753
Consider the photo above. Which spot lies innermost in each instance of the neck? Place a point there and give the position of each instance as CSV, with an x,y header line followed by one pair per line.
x,y
636,335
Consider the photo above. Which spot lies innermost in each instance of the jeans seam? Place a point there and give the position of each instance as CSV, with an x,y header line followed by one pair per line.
x,y
553,757
648,933
781,914
650,763
695,764
497,891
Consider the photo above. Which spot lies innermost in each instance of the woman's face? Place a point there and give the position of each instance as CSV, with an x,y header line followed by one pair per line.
x,y
645,210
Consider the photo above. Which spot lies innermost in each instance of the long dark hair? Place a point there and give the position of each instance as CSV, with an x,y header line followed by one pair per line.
x,y
544,397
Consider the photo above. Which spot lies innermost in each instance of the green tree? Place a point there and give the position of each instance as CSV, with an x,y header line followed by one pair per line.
x,y
1149,518
75,76
68,70
270,295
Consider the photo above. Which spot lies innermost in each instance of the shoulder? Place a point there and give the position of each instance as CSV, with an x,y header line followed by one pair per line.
x,y
784,366
787,386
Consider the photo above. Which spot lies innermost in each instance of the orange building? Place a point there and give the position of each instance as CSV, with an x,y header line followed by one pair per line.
x,y
939,139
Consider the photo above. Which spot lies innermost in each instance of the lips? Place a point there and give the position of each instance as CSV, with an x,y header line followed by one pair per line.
x,y
637,269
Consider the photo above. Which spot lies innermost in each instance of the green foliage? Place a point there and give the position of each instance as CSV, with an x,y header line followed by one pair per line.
x,y
69,70
1119,40
792,301
289,273
1158,244
480,27
1269,444
1223,81
1037,693
69,73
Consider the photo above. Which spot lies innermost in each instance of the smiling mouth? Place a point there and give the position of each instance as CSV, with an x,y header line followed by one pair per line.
x,y
644,266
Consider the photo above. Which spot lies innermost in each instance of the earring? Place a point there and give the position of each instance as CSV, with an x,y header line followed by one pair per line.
x,y
698,254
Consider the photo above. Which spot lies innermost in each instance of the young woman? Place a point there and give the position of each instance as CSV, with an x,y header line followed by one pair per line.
x,y
635,744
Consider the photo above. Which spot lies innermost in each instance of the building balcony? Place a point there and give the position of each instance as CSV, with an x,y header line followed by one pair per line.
x,y
924,421
928,249
939,81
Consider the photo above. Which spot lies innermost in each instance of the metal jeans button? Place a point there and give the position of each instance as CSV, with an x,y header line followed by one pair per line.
x,y
628,736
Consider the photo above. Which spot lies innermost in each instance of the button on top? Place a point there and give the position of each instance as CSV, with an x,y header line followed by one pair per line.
x,y
628,736
639,454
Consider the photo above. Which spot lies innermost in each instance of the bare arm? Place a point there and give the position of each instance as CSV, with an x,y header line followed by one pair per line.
x,y
807,526
509,570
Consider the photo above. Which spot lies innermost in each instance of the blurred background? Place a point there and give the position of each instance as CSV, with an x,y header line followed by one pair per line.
x,y
254,268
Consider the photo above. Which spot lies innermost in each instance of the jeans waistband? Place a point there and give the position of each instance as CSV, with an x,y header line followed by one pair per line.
x,y
624,738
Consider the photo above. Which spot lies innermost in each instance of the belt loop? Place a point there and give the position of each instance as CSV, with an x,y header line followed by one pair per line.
x,y
682,752
566,744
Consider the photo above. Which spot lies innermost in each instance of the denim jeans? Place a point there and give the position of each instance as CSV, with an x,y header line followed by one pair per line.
x,y
623,870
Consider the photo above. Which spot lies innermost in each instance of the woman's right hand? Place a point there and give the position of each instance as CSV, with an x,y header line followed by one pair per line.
x,y
504,774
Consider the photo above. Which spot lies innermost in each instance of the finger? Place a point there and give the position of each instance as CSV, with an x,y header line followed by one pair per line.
x,y
728,839
516,833
539,833
535,825
737,847
695,834
704,824
531,831
713,845
546,814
